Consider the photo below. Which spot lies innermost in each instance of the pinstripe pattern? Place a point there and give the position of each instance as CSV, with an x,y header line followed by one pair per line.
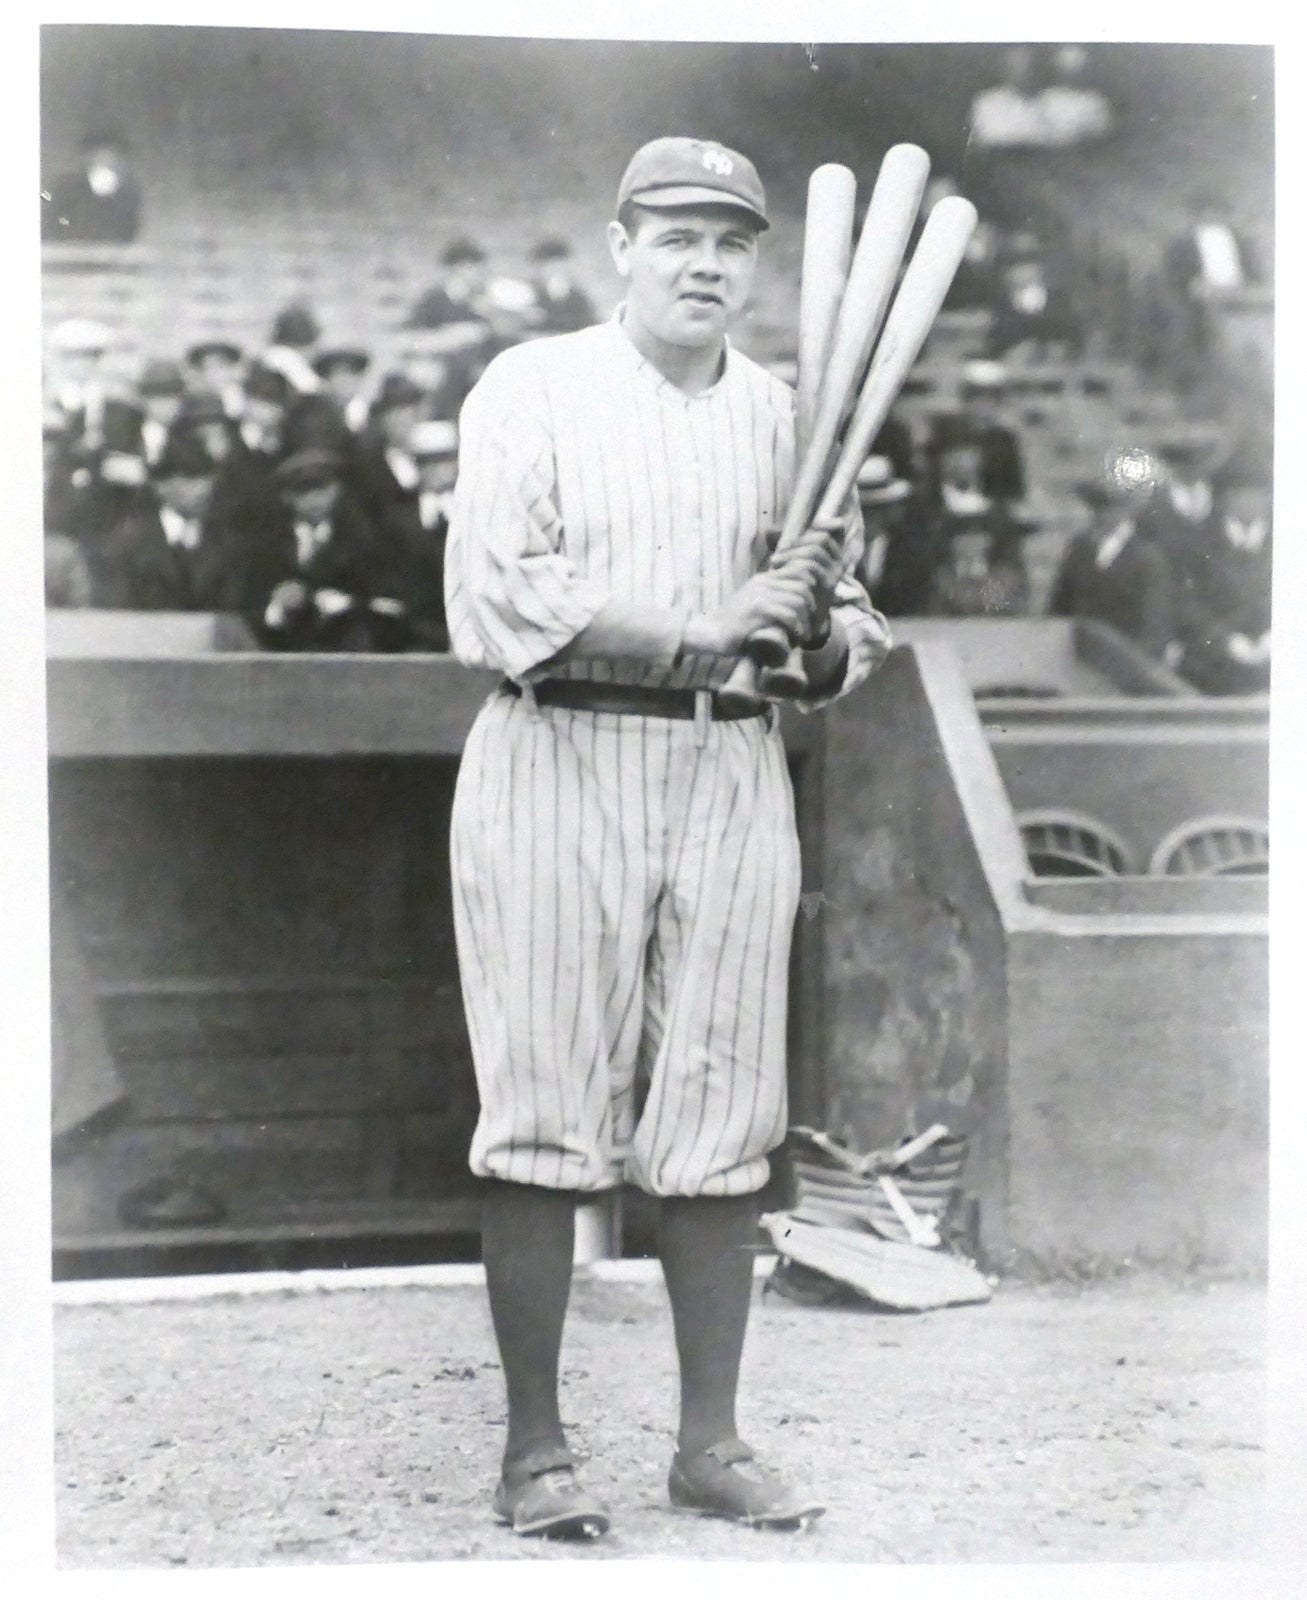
x,y
624,889
623,902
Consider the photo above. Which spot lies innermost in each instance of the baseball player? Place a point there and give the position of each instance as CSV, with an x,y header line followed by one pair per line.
x,y
625,860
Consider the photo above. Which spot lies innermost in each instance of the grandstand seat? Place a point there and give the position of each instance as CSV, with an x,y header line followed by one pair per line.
x,y
1068,844
1213,847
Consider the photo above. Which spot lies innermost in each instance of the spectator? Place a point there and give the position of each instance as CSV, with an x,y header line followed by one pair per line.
x,y
56,476
315,421
1032,318
1207,261
1011,114
983,392
203,414
99,203
560,305
76,380
1074,111
216,366
161,389
342,371
417,529
386,474
1185,499
971,545
1112,572
296,334
443,381
257,445
884,498
456,312
1224,587
167,554
310,561
109,475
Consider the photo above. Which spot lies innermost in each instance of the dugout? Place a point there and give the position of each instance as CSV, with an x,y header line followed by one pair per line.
x,y
249,864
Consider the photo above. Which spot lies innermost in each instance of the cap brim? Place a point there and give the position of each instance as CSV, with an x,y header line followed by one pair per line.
x,y
696,195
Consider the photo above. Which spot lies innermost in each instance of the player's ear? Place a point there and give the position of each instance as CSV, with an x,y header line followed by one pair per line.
x,y
619,243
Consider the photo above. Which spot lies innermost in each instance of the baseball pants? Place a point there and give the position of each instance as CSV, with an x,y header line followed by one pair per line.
x,y
625,889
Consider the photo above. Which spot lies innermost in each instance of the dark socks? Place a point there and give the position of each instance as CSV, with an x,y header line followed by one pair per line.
x,y
526,1244
707,1247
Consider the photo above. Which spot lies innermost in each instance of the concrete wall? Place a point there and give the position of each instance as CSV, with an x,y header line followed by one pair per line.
x,y
1107,1043
914,993
1138,1130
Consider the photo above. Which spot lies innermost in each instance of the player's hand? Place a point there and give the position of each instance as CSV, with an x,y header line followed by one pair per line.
x,y
818,554
777,598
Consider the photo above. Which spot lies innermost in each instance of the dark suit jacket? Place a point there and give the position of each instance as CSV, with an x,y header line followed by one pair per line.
x,y
1134,594
140,571
414,574
1222,590
352,561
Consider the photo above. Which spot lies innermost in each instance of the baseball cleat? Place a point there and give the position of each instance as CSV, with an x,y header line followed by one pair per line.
x,y
546,1501
727,1480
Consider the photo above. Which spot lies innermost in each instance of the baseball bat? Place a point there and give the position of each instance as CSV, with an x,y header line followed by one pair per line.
x,y
931,270
893,208
827,249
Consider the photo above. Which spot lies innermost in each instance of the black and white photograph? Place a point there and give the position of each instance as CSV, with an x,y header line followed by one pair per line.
x,y
654,662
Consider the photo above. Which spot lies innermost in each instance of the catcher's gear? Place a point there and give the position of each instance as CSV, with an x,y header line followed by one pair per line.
x,y
903,1277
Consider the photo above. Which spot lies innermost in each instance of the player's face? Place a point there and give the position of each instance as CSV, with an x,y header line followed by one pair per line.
x,y
689,272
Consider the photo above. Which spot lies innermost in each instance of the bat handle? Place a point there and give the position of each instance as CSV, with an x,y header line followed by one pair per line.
x,y
742,691
769,647
789,681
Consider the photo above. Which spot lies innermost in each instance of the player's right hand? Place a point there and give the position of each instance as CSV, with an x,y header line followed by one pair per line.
x,y
780,597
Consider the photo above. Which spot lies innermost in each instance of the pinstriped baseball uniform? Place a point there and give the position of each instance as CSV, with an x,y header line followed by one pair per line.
x,y
624,886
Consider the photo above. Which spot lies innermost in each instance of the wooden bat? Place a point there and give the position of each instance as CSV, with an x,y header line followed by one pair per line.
x,y
934,263
893,208
827,248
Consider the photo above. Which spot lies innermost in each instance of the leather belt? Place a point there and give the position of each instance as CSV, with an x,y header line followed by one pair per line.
x,y
628,699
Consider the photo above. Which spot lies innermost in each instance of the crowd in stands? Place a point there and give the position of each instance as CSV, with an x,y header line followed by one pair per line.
x,y
306,489
294,484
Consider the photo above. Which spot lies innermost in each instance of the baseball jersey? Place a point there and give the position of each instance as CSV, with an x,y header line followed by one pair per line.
x,y
624,886
585,476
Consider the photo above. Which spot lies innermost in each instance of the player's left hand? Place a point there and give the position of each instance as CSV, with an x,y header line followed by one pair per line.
x,y
818,555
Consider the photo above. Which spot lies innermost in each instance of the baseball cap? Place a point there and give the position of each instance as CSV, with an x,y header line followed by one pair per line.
x,y
688,172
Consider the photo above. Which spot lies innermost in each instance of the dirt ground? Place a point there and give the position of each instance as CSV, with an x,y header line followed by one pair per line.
x,y
1122,1422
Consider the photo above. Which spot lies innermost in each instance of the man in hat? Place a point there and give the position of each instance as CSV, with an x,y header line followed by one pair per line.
x,y
560,304
342,371
625,862
203,414
1112,571
385,472
1185,498
1224,586
415,530
883,498
215,366
100,202
76,382
310,560
456,302
981,421
970,544
161,389
258,444
296,334
168,554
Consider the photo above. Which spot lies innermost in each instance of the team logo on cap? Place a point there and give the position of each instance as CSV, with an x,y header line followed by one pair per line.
x,y
719,162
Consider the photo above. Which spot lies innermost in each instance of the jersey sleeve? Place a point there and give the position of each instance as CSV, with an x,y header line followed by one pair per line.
x,y
512,597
